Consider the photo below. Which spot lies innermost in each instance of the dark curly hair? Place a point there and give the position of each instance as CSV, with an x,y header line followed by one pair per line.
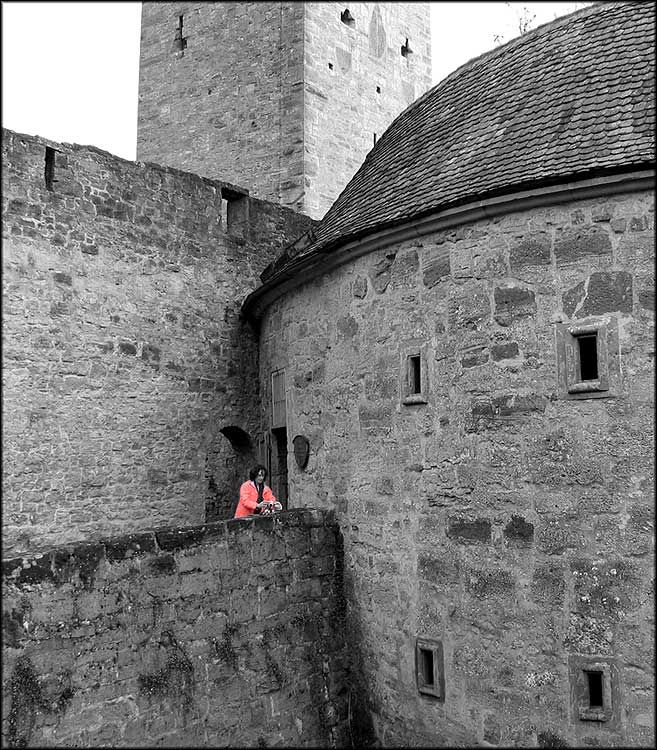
x,y
256,470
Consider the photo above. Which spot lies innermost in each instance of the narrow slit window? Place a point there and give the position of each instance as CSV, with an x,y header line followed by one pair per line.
x,y
429,668
406,49
374,134
588,357
426,667
347,18
224,213
415,374
179,41
584,364
49,170
596,692
234,211
592,687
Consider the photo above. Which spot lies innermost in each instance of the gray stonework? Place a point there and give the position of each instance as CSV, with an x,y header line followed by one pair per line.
x,y
124,351
497,518
224,635
283,98
473,493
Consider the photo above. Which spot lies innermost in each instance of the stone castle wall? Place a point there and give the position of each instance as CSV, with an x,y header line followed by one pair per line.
x,y
509,525
227,634
294,120
124,355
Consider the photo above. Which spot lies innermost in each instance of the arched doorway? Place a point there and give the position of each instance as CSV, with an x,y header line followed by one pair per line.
x,y
227,465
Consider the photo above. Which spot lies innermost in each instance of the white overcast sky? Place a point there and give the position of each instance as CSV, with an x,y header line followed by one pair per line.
x,y
70,70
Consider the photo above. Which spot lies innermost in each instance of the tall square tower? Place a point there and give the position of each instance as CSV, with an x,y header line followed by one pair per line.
x,y
282,98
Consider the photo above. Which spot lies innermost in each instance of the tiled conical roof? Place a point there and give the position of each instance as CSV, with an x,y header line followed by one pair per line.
x,y
571,99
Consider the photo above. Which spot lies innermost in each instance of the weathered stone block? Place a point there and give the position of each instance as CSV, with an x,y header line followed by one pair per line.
x,y
548,585
489,260
437,569
380,273
122,547
647,299
602,293
268,547
475,357
468,307
381,385
492,730
468,531
491,584
507,405
151,353
549,738
435,268
347,327
481,406
128,348
33,569
556,535
504,351
384,485
639,224
405,267
303,380
602,212
519,530
531,250
162,564
62,278
575,243
359,287
577,216
512,303
460,260
375,417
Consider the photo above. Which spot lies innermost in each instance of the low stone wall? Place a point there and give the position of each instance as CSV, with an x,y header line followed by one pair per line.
x,y
223,634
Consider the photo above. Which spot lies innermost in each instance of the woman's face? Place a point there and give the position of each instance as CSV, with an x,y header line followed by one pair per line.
x,y
260,477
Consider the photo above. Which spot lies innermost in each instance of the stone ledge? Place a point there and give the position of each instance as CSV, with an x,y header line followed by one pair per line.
x,y
57,565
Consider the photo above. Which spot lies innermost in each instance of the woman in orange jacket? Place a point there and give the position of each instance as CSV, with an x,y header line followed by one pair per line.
x,y
255,496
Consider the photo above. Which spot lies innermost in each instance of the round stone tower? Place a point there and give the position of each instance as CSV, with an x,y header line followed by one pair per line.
x,y
466,346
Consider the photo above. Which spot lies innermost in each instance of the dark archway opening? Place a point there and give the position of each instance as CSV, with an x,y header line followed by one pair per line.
x,y
227,465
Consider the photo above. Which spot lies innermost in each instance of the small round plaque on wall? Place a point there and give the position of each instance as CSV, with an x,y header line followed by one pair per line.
x,y
301,450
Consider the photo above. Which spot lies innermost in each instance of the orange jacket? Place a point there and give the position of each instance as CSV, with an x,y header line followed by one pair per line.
x,y
249,499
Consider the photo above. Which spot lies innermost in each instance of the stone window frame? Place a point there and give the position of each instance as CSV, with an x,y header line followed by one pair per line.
x,y
408,395
234,211
571,385
435,689
582,710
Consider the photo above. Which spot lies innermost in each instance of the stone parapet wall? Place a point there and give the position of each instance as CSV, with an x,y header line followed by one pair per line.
x,y
491,513
124,354
227,634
